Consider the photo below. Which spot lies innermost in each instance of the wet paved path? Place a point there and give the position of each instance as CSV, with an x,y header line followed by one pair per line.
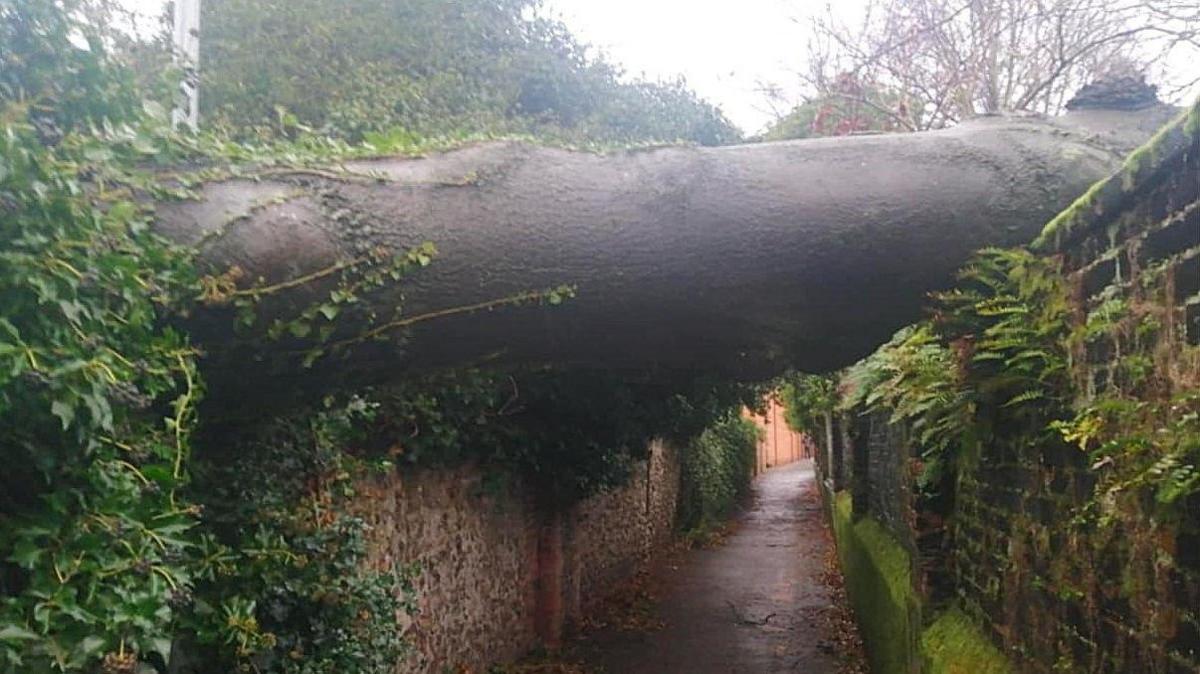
x,y
752,605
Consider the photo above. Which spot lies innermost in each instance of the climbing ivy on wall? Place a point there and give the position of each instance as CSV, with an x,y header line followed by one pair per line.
x,y
287,587
97,399
1004,356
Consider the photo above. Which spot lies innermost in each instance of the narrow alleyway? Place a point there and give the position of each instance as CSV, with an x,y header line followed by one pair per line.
x,y
752,605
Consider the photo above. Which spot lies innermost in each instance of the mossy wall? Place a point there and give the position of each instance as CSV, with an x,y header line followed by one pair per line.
x,y
889,611
1056,554
954,644
1077,557
879,585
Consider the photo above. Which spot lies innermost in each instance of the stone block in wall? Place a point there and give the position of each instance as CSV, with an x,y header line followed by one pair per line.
x,y
1179,233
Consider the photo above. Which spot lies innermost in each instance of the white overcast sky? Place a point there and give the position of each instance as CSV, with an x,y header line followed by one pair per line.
x,y
725,48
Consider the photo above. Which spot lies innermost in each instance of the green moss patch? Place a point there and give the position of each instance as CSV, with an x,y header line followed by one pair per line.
x,y
877,571
1105,194
954,644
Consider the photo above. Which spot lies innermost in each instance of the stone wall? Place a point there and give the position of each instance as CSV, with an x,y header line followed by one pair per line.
x,y
1051,595
473,546
608,536
497,576
884,482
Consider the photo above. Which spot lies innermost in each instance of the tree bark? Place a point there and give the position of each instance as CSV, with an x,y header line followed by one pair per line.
x,y
746,260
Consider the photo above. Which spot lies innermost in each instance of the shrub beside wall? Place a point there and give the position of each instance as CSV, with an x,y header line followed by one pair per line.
x,y
717,469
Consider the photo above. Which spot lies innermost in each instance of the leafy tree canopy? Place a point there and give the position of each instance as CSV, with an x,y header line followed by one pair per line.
x,y
429,67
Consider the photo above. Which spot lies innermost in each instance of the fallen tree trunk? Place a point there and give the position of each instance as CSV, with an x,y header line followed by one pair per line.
x,y
745,259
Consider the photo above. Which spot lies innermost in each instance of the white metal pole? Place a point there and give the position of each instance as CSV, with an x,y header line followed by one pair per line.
x,y
187,55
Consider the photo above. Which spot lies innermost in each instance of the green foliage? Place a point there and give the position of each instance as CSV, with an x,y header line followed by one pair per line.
x,y
916,380
1139,444
125,545
287,587
1003,356
993,357
428,67
806,399
108,553
54,73
97,398
571,432
1012,308
717,469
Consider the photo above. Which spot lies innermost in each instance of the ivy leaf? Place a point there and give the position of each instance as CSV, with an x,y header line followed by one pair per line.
x,y
12,633
98,154
71,309
88,648
144,145
299,329
161,646
312,356
9,328
100,410
158,473
26,554
155,110
122,211
64,412
245,315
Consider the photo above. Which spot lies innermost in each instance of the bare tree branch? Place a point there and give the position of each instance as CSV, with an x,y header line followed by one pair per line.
x,y
947,60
